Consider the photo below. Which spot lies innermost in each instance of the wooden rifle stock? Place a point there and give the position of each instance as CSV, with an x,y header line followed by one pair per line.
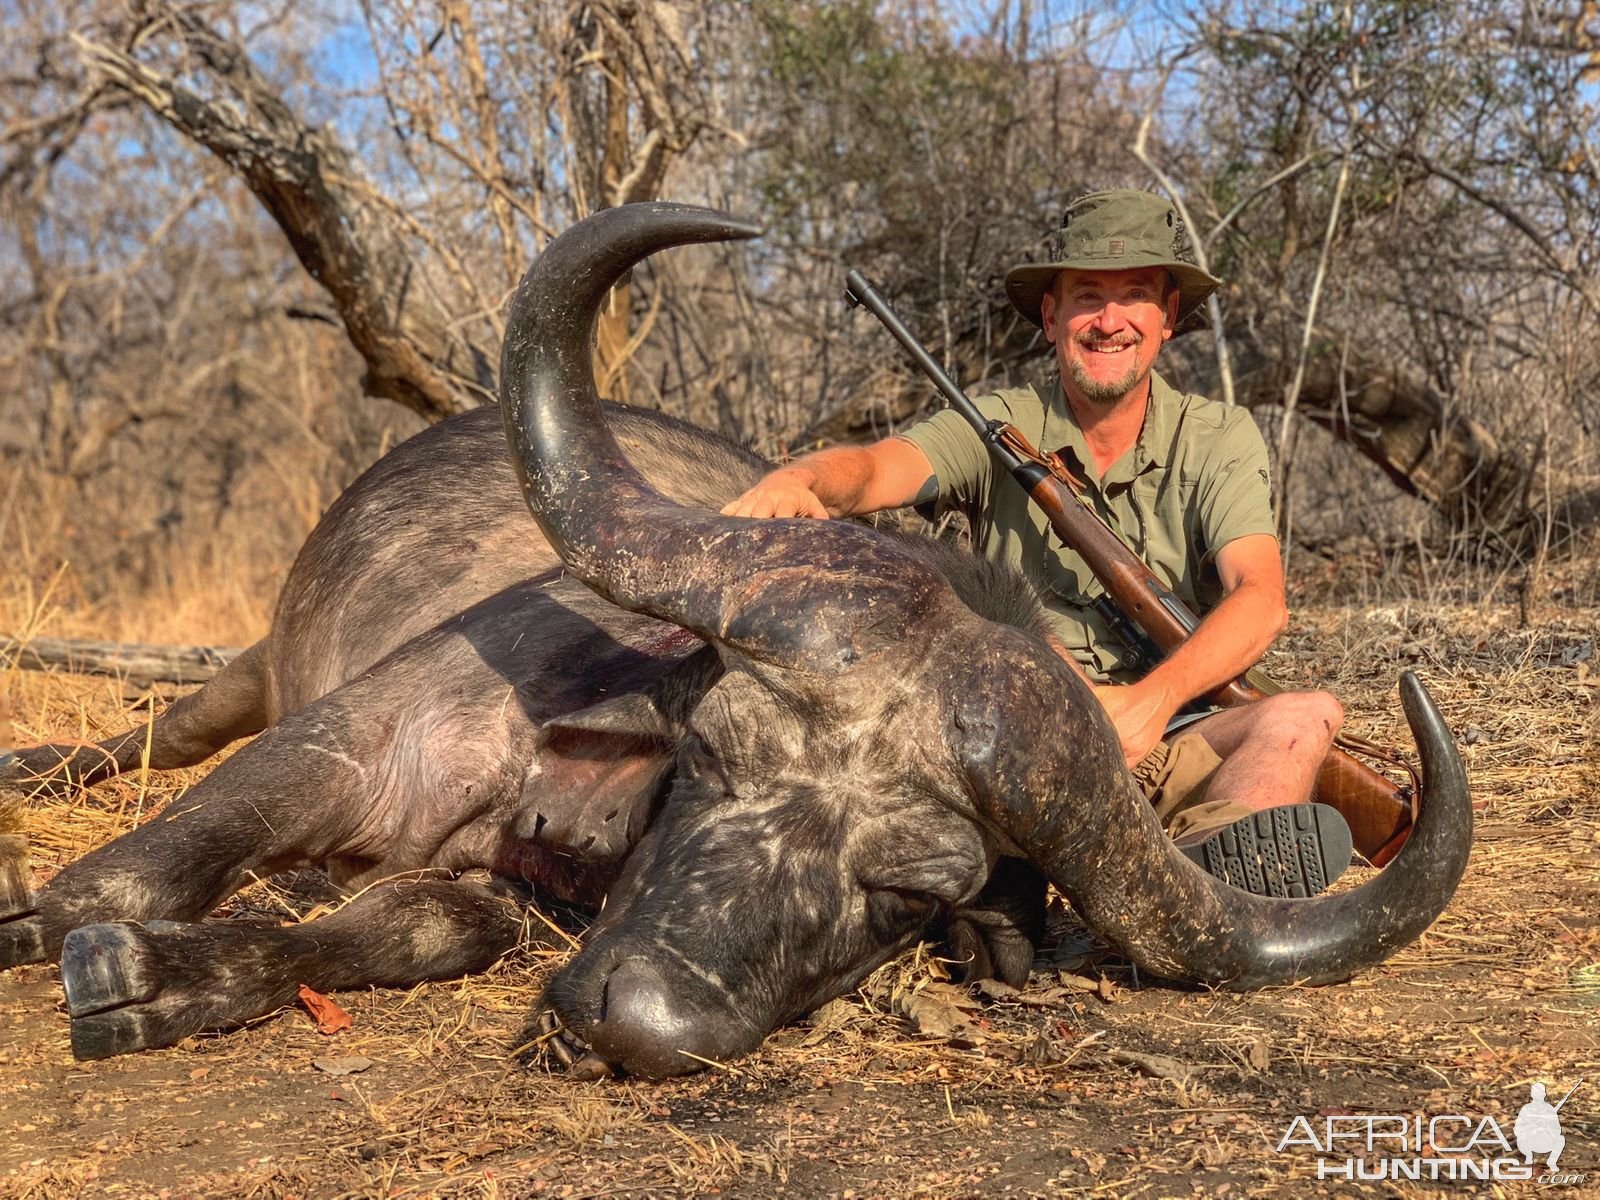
x,y
1143,610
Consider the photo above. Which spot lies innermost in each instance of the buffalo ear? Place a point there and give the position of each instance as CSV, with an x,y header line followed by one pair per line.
x,y
657,713
635,717
596,773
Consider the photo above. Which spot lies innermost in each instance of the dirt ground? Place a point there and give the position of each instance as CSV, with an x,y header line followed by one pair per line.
x,y
1083,1084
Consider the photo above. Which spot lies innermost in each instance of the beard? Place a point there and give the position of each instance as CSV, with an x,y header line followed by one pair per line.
x,y
1104,391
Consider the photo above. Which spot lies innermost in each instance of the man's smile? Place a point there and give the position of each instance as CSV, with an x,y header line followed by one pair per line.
x,y
1106,349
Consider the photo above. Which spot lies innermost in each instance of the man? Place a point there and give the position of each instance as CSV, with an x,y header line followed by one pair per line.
x,y
1183,481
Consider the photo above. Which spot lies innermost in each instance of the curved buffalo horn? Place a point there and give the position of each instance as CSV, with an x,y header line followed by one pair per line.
x,y
822,594
1107,854
763,587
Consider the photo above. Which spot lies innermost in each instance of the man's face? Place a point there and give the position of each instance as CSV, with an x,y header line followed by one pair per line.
x,y
1107,327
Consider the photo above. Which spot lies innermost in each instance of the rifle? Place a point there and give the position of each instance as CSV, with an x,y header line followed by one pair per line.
x,y
1144,613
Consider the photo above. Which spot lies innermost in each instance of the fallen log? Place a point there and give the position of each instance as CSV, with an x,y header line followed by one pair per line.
x,y
138,665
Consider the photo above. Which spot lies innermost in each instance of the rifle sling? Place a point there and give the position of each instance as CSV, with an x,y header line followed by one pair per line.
x,y
1352,743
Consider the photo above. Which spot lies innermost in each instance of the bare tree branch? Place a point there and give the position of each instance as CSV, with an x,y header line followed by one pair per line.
x,y
1291,396
139,665
414,353
1219,338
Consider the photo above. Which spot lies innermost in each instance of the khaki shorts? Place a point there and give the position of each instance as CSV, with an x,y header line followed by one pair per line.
x,y
1174,777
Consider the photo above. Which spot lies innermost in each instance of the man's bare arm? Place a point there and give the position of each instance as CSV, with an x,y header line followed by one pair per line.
x,y
1231,639
843,482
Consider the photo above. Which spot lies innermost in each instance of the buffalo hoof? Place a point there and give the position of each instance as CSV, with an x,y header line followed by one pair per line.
x,y
119,995
21,931
21,942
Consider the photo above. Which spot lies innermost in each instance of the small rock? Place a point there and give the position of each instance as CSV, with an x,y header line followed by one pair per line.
x,y
1578,652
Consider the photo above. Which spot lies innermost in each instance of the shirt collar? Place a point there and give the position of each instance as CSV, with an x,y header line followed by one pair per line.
x,y
1156,435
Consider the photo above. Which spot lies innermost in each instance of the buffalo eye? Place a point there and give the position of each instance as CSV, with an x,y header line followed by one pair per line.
x,y
899,908
704,764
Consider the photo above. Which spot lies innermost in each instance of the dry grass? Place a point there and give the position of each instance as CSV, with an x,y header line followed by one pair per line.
x,y
1083,1084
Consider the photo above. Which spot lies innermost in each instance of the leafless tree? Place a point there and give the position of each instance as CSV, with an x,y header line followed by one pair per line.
x,y
200,214
165,402
1455,266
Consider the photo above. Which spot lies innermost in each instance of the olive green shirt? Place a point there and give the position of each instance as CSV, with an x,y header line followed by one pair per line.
x,y
1196,479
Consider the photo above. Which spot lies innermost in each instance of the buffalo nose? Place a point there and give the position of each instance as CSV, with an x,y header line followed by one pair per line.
x,y
649,1029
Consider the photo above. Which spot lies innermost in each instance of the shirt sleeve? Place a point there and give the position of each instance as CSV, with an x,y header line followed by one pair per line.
x,y
961,464
1236,486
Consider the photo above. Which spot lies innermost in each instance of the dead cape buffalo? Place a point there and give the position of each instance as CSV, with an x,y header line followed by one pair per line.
x,y
784,750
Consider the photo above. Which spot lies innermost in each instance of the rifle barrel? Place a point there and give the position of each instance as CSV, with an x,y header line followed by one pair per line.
x,y
859,290
1568,1096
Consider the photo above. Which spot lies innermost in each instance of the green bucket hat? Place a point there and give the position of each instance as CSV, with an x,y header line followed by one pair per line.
x,y
1122,230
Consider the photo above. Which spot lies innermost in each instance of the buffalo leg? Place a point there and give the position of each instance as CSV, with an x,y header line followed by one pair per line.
x,y
16,901
136,987
230,706
272,806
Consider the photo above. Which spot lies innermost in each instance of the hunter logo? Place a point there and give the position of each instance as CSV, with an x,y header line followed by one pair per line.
x,y
1538,1126
1448,1146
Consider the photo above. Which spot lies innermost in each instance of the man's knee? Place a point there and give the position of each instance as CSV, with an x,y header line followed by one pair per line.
x,y
1297,713
1300,717
1325,710
1318,710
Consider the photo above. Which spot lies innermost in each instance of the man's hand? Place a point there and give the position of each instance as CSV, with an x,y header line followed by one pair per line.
x,y
1136,711
1140,714
785,492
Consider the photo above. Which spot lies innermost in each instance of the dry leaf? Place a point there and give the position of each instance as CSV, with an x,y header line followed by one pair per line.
x,y
1158,1066
935,1016
341,1066
1260,1055
1051,997
330,1018
953,994
827,1021
997,989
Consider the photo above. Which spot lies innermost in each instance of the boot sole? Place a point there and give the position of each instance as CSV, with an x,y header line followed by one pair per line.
x,y
1292,852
